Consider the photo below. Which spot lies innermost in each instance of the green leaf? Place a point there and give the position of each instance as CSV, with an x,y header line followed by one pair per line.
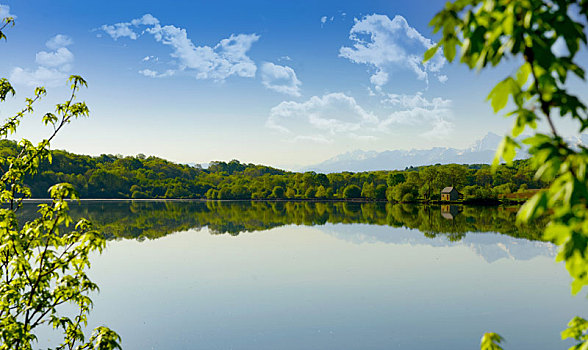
x,y
506,150
533,207
557,233
449,50
430,53
523,74
499,96
491,341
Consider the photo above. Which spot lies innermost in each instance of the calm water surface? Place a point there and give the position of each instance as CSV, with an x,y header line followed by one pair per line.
x,y
193,275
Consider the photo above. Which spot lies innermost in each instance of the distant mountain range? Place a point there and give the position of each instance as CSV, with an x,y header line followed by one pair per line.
x,y
481,152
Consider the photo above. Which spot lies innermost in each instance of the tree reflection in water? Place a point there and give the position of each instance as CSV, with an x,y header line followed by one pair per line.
x,y
155,219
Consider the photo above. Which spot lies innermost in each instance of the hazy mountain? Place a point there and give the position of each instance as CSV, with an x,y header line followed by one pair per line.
x,y
482,151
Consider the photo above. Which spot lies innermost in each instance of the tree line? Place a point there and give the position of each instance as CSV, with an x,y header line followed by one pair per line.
x,y
136,177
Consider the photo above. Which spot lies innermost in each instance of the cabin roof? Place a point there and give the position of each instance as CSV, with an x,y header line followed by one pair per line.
x,y
447,190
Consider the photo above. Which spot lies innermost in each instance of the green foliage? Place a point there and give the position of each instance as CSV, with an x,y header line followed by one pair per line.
x,y
278,192
109,176
490,31
352,191
395,178
321,192
310,193
405,192
43,261
407,198
368,191
5,22
578,330
380,192
491,341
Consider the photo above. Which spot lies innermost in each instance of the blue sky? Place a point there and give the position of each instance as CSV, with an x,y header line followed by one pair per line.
x,y
284,83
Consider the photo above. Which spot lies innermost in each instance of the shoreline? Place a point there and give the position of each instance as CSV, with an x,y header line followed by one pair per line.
x,y
490,202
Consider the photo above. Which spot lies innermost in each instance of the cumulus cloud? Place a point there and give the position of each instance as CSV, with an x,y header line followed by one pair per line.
x,y
120,30
388,45
441,129
418,111
147,20
379,78
320,119
53,66
5,12
417,101
338,116
59,41
41,76
128,29
60,59
225,59
280,78
154,74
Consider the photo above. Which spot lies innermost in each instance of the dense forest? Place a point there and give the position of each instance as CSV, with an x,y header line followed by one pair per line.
x,y
115,176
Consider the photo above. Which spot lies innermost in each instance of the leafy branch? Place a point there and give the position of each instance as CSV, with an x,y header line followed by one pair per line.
x,y
489,32
43,264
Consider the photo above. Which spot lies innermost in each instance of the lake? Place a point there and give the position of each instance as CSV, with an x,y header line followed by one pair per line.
x,y
302,275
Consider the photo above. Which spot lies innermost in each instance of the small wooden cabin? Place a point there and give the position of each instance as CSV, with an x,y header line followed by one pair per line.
x,y
449,194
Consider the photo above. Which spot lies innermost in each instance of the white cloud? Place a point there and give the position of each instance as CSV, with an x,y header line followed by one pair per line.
x,y
150,58
416,101
60,59
320,119
225,59
154,74
125,29
59,41
53,66
5,12
419,112
147,20
442,129
337,116
386,44
41,76
379,78
442,78
280,78
120,30
324,20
